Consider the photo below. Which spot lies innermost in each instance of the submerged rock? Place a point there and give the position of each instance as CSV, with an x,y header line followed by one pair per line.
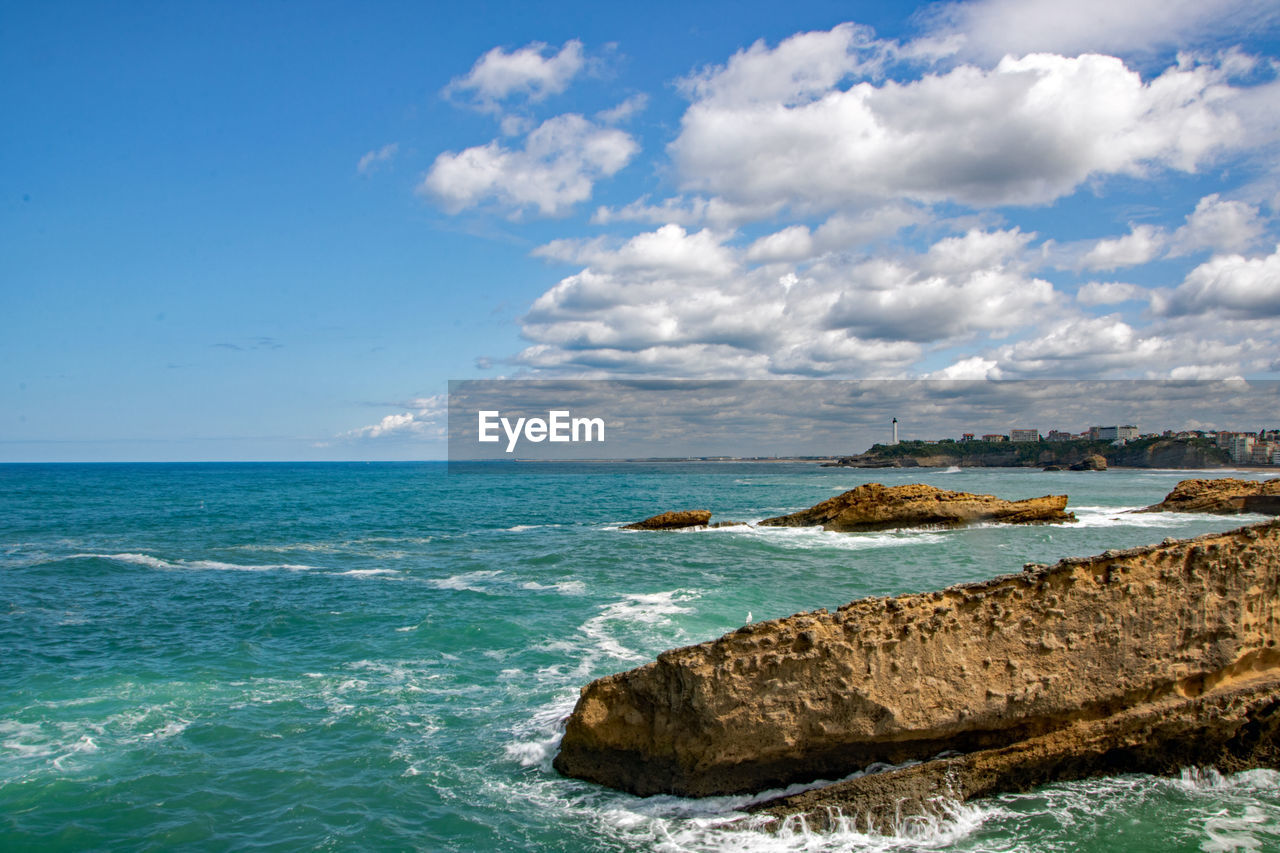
x,y
974,668
674,520
1225,496
877,507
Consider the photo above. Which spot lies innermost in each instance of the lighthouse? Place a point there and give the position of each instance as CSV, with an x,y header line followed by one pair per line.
x,y
895,430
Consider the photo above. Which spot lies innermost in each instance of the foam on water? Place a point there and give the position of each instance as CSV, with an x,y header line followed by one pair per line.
x,y
562,587
151,562
476,581
1127,516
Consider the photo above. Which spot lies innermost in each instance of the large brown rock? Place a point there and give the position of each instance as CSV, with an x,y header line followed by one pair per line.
x,y
1225,496
1092,462
974,667
1231,727
873,506
674,520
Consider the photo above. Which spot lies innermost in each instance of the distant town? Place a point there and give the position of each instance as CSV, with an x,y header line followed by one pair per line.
x,y
1244,448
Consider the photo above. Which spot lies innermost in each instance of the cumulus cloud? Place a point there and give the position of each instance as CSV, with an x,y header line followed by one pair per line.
x,y
377,157
426,420
1143,243
1028,131
1232,285
527,72
557,167
689,303
1227,226
990,29
1109,293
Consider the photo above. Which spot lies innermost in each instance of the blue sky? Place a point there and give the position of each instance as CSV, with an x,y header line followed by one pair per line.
x,y
274,231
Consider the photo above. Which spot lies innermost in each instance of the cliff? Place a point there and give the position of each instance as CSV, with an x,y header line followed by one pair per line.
x,y
1225,496
873,506
971,668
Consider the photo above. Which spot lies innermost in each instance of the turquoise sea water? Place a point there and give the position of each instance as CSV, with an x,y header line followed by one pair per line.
x,y
378,656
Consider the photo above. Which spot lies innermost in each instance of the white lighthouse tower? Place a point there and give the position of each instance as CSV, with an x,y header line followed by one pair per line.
x,y
895,430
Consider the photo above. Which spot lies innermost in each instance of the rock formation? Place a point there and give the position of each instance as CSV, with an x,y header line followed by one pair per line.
x,y
1089,645
1093,462
1231,728
1225,496
873,506
674,520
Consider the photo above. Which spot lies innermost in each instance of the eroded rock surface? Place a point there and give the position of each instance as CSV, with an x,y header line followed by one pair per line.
x,y
674,520
1233,727
873,506
1225,496
971,668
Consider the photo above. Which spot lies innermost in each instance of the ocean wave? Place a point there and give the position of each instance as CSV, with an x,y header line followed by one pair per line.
x,y
634,618
562,587
1126,516
364,573
466,581
816,537
151,562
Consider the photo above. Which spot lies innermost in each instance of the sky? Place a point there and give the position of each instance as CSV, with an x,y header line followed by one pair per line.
x,y
255,231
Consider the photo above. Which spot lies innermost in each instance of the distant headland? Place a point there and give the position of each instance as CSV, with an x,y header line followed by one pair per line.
x,y
1093,449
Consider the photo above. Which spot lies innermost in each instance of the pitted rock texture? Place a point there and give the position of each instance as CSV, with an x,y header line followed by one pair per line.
x,y
1225,496
873,506
973,667
674,520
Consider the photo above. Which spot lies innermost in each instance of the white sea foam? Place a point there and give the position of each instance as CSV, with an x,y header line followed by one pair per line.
x,y
151,562
469,581
639,610
1126,516
815,537
562,587
364,573
954,469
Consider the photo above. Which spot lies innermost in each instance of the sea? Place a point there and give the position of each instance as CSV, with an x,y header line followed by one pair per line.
x,y
351,656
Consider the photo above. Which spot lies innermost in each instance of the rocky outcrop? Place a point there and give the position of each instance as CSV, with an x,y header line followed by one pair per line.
x,y
1225,496
1233,727
972,668
876,507
1093,462
674,520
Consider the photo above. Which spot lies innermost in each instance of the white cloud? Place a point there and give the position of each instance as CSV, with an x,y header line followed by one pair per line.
x,y
377,157
687,303
1231,285
800,69
526,71
668,251
1143,243
632,106
1226,226
962,285
793,243
1109,293
427,419
1028,131
974,367
990,29
682,210
557,168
